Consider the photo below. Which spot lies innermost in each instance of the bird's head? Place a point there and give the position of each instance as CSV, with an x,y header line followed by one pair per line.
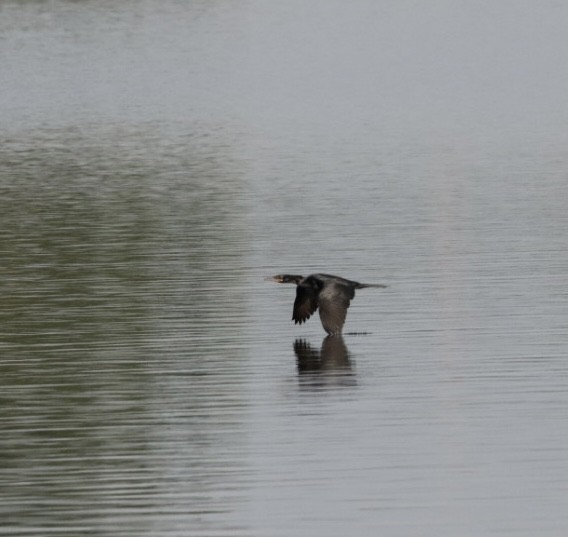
x,y
286,278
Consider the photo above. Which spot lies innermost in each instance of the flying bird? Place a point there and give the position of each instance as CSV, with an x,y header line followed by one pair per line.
x,y
331,294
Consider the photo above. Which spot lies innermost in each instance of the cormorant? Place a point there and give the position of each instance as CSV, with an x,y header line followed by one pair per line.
x,y
332,294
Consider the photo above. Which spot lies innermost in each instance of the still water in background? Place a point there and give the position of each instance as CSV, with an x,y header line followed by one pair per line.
x,y
159,159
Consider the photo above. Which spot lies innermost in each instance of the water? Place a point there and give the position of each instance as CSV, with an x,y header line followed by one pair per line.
x,y
159,159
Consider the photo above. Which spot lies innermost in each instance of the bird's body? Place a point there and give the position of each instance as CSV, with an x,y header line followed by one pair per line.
x,y
331,294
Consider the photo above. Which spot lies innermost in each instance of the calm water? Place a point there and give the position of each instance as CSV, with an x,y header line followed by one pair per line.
x,y
159,159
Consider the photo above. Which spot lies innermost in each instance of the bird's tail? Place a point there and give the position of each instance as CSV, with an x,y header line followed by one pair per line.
x,y
363,285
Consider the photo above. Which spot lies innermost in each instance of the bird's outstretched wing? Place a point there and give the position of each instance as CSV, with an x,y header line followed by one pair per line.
x,y
334,299
306,303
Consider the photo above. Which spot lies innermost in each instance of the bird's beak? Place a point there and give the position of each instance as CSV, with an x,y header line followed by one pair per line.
x,y
270,279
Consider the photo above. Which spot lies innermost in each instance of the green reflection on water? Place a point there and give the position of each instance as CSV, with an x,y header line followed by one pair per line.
x,y
118,247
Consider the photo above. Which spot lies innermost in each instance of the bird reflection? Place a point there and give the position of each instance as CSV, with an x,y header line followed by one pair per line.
x,y
330,365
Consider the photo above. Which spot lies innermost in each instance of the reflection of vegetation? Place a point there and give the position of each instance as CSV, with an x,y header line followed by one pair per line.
x,y
90,233
115,258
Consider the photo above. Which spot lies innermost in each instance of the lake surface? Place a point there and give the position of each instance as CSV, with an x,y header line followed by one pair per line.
x,y
159,159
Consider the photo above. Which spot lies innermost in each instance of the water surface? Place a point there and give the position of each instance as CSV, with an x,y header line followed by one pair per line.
x,y
159,159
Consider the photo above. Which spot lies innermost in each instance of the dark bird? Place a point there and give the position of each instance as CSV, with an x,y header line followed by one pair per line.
x,y
331,294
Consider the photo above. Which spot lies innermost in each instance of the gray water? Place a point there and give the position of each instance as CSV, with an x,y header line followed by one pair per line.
x,y
159,159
